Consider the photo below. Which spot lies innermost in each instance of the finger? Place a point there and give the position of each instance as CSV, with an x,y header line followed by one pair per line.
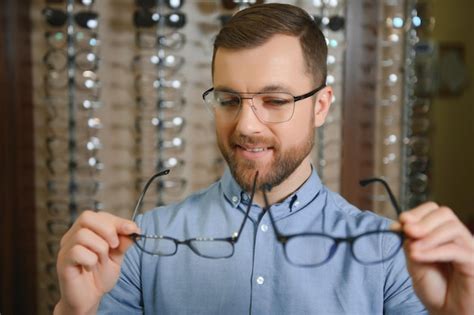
x,y
105,225
450,231
429,222
118,253
69,233
396,226
90,240
417,213
79,255
446,253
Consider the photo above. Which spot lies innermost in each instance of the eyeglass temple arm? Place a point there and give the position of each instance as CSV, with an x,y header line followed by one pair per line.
x,y
365,182
268,187
148,183
254,187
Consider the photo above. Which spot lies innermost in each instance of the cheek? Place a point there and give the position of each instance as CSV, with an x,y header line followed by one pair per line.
x,y
297,128
223,131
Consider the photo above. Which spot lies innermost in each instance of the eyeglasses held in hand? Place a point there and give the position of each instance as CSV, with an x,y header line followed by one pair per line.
x,y
315,249
269,107
207,247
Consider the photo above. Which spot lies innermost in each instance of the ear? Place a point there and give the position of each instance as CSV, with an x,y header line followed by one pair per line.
x,y
321,108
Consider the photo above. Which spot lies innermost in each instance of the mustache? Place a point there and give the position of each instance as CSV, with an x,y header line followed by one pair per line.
x,y
242,140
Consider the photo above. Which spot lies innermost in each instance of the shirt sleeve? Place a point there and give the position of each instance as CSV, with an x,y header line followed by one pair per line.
x,y
126,296
399,296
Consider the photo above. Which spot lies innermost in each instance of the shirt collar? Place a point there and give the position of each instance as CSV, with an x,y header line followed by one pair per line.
x,y
232,190
297,200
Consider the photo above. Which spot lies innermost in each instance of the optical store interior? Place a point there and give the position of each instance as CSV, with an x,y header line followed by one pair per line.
x,y
98,95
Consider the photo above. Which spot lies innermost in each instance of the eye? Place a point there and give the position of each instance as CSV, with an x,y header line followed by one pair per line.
x,y
227,100
275,101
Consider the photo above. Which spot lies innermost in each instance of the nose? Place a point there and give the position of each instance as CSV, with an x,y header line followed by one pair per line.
x,y
247,121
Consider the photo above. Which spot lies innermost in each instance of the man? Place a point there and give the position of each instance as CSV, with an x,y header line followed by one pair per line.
x,y
269,67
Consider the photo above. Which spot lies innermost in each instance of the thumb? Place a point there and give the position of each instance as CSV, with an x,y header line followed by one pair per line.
x,y
416,269
117,254
127,227
125,231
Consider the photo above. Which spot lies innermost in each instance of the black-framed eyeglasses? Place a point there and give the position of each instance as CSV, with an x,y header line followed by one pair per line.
x,y
58,18
145,18
315,249
269,107
207,247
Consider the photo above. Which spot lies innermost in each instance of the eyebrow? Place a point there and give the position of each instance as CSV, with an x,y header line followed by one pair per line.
x,y
267,88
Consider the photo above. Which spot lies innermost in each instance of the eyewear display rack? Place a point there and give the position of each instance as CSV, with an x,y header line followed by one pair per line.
x,y
419,89
68,157
331,18
402,139
159,89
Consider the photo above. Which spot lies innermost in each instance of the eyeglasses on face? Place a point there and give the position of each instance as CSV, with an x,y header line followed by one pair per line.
x,y
207,247
269,107
315,249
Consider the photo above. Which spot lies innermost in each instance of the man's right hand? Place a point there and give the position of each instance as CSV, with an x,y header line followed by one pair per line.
x,y
89,260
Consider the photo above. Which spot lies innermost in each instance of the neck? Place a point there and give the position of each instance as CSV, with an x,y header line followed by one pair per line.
x,y
287,187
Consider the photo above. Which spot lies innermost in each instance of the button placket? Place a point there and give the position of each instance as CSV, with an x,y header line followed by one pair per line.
x,y
262,265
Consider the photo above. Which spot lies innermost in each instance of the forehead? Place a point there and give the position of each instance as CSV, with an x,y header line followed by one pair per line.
x,y
279,61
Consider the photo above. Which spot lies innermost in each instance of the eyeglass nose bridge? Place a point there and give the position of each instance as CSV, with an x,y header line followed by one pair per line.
x,y
251,104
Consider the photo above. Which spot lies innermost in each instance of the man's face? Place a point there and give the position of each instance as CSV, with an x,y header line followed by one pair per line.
x,y
276,150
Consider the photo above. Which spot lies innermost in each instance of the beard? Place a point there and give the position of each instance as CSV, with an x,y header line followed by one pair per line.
x,y
282,165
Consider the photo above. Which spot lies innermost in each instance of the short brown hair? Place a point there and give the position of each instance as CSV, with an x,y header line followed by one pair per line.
x,y
255,25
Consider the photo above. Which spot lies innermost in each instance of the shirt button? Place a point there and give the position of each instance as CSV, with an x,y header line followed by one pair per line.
x,y
235,199
260,280
245,197
296,204
264,227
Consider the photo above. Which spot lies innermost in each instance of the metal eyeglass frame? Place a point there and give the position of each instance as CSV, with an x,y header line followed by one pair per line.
x,y
189,242
295,99
283,239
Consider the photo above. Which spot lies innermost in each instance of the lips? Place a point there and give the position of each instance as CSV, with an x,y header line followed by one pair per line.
x,y
254,152
252,148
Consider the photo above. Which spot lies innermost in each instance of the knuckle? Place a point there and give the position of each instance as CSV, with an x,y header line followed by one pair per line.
x,y
86,216
432,204
110,231
446,211
75,252
109,235
82,235
103,247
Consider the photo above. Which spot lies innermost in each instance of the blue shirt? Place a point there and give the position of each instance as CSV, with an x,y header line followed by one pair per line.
x,y
257,279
